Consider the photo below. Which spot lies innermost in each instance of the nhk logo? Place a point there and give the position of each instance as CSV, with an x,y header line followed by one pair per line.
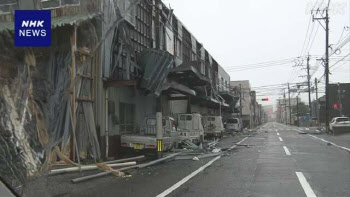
x,y
32,28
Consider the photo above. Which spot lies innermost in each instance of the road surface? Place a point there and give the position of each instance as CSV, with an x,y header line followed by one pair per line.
x,y
276,161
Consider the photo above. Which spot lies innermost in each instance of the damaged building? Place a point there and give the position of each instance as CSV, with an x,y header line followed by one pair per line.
x,y
111,63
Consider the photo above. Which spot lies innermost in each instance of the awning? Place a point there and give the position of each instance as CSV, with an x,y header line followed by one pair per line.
x,y
155,64
188,73
55,22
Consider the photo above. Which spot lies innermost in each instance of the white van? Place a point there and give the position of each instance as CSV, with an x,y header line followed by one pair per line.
x,y
213,126
234,124
190,127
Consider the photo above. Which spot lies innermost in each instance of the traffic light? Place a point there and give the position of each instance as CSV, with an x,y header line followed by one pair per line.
x,y
335,106
265,99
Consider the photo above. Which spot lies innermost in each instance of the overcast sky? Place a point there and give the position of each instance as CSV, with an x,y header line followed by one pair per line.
x,y
240,32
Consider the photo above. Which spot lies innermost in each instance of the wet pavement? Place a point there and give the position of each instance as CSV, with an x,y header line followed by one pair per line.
x,y
276,160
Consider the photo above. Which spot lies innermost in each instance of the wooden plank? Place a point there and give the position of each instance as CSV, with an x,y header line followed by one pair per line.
x,y
84,99
118,83
73,40
85,76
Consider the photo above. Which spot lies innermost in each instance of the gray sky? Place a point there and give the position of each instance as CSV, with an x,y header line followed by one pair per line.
x,y
240,32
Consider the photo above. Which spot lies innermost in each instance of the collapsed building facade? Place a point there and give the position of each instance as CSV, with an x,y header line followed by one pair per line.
x,y
110,64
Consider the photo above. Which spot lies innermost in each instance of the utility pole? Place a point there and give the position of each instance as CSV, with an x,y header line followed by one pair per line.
x,y
240,101
290,107
326,63
285,105
279,107
327,70
316,82
298,111
308,83
317,103
159,115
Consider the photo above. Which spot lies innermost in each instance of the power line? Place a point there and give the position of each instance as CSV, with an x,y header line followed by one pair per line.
x,y
261,63
313,39
307,33
339,60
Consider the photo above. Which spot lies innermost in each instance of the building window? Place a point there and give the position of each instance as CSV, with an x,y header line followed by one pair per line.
x,y
142,29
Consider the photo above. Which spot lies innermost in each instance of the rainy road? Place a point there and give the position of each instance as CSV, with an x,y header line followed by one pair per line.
x,y
274,161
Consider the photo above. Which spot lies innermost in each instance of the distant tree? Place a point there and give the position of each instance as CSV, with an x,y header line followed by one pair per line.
x,y
303,109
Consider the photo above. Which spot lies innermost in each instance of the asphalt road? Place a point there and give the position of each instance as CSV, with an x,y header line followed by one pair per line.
x,y
282,162
276,161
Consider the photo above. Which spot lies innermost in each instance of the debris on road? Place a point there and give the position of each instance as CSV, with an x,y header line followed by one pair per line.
x,y
191,152
216,150
88,167
127,159
198,157
77,180
246,145
212,144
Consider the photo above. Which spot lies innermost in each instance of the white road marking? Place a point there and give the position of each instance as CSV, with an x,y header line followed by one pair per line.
x,y
286,150
307,189
342,147
278,133
234,146
280,139
184,180
187,178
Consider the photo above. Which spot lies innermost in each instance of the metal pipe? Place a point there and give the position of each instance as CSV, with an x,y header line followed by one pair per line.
x,y
106,121
89,167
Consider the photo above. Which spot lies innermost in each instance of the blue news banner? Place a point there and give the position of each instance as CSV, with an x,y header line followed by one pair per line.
x,y
32,28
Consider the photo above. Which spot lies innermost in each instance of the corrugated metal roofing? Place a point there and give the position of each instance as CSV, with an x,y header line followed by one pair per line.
x,y
156,66
55,22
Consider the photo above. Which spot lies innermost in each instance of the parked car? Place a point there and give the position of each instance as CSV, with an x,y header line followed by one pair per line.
x,y
146,139
213,126
340,125
234,124
190,127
